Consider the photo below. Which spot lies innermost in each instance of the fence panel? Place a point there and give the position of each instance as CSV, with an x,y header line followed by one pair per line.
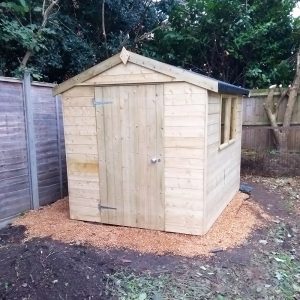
x,y
256,132
31,144
15,194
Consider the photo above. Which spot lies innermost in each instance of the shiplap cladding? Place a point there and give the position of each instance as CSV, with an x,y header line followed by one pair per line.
x,y
15,184
141,114
82,153
184,119
183,128
222,165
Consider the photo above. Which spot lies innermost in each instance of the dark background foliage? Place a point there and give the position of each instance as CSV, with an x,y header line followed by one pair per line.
x,y
250,43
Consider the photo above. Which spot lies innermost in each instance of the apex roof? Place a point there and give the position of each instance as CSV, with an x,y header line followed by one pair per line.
x,y
180,74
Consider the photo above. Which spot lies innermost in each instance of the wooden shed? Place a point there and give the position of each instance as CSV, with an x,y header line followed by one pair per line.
x,y
150,145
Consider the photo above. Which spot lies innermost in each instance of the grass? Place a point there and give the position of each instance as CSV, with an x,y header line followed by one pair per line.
x,y
130,286
272,273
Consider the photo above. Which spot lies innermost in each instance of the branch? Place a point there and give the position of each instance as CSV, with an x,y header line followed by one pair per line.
x,y
283,95
103,26
272,115
146,34
45,13
43,9
293,95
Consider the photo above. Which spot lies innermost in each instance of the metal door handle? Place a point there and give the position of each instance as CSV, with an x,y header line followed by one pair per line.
x,y
154,160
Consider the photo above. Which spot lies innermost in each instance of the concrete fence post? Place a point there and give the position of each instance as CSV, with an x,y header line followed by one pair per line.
x,y
31,141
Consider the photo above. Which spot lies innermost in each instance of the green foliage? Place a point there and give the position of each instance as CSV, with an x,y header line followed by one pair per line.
x,y
247,43
72,39
250,45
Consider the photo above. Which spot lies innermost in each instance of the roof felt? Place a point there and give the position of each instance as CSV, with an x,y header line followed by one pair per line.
x,y
176,72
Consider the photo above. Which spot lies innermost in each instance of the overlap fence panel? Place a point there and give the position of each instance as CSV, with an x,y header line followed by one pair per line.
x,y
257,134
259,153
32,151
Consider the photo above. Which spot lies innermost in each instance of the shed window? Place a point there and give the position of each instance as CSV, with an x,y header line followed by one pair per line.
x,y
228,120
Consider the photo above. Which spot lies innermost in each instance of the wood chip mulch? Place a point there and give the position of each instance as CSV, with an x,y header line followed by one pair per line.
x,y
232,229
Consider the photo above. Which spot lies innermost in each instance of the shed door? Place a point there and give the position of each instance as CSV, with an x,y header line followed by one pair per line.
x,y
130,144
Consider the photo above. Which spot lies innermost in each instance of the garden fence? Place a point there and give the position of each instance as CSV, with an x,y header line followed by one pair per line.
x,y
32,151
259,155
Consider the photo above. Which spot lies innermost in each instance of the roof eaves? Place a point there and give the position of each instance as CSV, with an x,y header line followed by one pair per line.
x,y
87,74
227,88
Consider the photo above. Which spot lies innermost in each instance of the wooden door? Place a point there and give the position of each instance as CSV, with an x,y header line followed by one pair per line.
x,y
130,146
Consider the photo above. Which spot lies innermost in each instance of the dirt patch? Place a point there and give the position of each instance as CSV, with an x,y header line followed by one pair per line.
x,y
12,234
232,229
270,163
280,196
43,269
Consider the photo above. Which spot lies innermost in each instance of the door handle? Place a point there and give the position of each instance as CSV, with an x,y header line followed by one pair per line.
x,y
155,160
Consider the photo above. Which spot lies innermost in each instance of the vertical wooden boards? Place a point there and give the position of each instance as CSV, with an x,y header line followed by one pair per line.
x,y
100,137
223,165
184,132
130,135
82,153
158,201
15,196
128,115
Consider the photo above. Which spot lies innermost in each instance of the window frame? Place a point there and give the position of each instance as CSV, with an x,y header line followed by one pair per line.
x,y
229,130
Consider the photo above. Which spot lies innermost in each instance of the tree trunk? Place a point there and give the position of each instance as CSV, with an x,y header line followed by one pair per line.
x,y
271,108
283,141
45,12
26,58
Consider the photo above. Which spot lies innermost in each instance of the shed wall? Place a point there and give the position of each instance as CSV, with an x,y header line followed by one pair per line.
x,y
184,119
222,166
184,131
82,153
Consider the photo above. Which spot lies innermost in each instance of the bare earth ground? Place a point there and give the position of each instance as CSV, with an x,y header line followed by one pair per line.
x,y
252,252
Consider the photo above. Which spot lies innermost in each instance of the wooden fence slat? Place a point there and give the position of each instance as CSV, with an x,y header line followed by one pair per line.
x,y
257,133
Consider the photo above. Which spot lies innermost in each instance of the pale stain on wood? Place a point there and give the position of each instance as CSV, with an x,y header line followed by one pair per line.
x,y
110,147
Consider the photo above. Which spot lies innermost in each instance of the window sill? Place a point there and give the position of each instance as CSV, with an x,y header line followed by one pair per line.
x,y
225,145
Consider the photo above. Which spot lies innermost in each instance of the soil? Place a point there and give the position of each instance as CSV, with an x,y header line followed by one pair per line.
x,y
44,268
270,163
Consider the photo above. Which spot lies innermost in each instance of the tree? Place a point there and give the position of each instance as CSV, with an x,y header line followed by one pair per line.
x,y
28,35
272,105
72,38
243,42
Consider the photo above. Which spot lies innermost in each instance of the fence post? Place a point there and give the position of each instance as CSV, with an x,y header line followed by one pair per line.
x,y
30,136
57,106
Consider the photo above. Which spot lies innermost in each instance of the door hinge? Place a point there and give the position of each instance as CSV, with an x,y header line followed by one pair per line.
x,y
105,207
100,102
